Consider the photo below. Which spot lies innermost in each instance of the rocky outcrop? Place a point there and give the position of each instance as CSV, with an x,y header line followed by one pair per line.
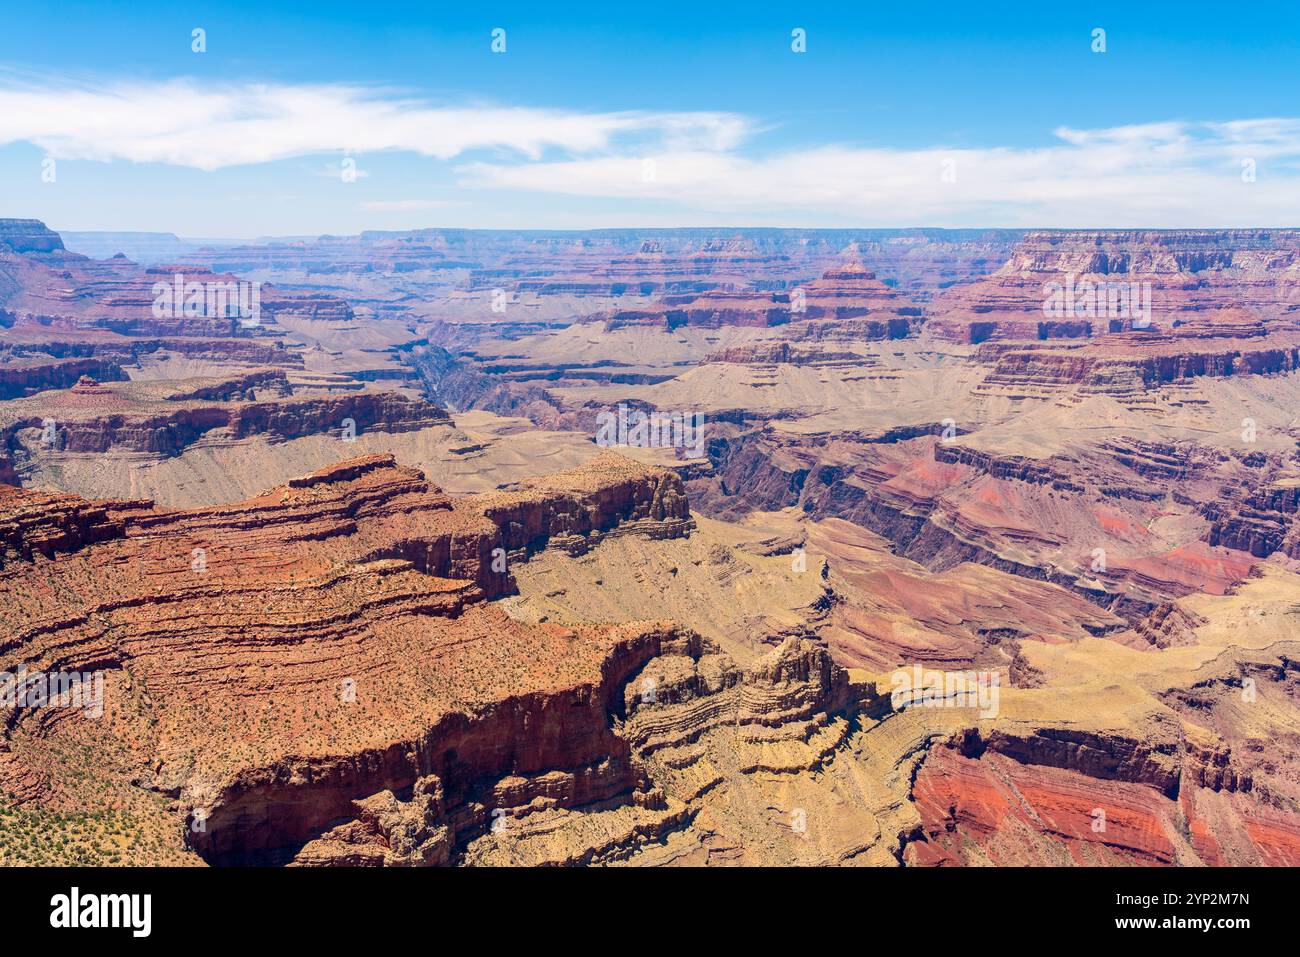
x,y
1261,522
1098,803
29,236
37,524
1015,467
995,810
166,418
42,283
574,510
1184,283
360,585
946,502
1127,367
1106,757
23,377
463,757
1169,625
35,342
702,731
321,694
847,294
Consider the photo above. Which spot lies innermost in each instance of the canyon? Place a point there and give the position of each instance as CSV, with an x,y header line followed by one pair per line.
x,y
369,586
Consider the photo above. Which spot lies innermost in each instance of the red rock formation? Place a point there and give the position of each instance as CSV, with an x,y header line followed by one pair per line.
x,y
22,377
1200,283
40,281
1190,795
1124,365
361,573
848,294
165,417
38,342
943,503
996,811
1261,522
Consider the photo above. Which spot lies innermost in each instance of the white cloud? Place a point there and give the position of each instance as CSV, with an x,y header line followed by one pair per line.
x,y
183,123
708,166
1161,174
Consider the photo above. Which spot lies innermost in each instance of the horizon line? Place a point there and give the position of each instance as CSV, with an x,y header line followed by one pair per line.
x,y
301,237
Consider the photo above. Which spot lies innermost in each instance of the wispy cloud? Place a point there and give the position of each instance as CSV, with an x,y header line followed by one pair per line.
x,y
700,167
208,127
1160,174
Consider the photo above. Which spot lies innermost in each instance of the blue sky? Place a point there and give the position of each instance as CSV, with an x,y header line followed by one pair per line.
x,y
653,113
